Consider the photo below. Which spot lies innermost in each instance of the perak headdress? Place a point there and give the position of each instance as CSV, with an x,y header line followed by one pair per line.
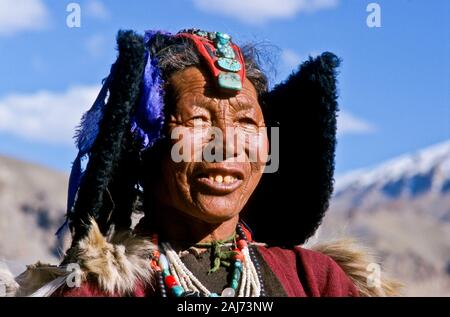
x,y
127,118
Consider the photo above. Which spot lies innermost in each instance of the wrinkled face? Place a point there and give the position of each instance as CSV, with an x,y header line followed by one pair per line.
x,y
212,192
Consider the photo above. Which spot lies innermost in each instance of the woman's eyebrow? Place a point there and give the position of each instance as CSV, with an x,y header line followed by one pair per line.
x,y
245,103
199,101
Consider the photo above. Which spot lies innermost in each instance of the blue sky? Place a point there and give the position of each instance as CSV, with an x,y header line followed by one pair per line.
x,y
394,81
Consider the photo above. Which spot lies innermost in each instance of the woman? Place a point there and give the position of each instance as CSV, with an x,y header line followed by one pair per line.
x,y
174,101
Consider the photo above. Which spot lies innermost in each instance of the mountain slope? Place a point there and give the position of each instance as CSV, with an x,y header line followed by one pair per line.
x,y
401,209
32,206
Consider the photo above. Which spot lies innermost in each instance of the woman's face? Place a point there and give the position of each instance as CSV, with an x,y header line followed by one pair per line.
x,y
212,192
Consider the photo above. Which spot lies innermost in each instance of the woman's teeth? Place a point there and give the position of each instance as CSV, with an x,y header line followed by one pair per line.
x,y
222,179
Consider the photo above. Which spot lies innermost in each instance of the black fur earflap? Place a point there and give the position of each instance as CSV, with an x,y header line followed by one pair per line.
x,y
110,145
288,206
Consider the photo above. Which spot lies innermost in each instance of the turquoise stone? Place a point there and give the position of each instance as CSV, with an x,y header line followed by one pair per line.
x,y
225,51
213,295
238,265
230,81
229,64
234,284
202,33
236,276
223,45
177,290
223,38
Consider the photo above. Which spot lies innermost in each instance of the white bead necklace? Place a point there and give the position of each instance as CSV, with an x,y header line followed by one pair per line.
x,y
249,283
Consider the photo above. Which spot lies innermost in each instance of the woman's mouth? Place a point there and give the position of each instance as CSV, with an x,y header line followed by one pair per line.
x,y
227,179
219,182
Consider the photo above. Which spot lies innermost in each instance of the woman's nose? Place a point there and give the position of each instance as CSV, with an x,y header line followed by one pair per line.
x,y
225,146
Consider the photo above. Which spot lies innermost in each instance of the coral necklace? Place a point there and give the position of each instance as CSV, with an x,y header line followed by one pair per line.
x,y
177,280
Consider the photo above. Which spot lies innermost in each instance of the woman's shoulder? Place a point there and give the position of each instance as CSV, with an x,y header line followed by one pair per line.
x,y
306,272
335,268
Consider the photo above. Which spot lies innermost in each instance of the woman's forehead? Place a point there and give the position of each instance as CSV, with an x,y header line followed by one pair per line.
x,y
194,81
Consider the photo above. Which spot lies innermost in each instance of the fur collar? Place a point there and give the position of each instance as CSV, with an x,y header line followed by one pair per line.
x,y
116,264
361,266
119,262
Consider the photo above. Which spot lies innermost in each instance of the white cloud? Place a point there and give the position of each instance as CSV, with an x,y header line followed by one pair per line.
x,y
46,116
97,9
350,124
261,11
22,15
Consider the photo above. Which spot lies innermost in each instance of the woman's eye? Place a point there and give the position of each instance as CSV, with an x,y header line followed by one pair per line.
x,y
199,120
248,125
248,122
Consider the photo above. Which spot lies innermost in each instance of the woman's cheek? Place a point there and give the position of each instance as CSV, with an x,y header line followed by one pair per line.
x,y
186,144
263,147
256,146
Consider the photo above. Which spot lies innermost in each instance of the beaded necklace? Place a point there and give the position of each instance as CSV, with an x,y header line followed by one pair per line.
x,y
175,279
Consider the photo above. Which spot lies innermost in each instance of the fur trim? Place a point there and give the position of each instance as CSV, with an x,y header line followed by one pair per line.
x,y
357,262
116,264
8,286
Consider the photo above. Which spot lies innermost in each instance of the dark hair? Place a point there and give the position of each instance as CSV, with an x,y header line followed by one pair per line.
x,y
177,53
112,187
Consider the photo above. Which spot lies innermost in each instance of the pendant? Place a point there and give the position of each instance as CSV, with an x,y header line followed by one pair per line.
x,y
229,64
228,292
230,81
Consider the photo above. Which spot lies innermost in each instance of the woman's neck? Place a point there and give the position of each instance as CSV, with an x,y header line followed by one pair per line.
x,y
181,229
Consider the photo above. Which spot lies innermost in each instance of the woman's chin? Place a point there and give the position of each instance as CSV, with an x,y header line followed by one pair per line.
x,y
217,209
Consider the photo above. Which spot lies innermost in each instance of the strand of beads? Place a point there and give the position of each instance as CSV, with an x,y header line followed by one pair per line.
x,y
236,276
154,263
161,284
258,271
175,277
192,282
254,260
250,285
160,264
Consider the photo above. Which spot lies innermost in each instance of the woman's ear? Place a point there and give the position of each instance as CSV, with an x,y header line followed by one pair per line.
x,y
288,206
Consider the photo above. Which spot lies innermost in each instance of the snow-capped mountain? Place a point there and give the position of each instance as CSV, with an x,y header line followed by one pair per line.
x,y
428,169
422,178
400,209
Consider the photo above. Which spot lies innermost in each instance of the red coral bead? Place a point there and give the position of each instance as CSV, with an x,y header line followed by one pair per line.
x,y
242,244
155,265
170,281
239,257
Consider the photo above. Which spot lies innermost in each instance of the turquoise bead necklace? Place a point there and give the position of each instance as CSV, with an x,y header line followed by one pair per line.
x,y
176,280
